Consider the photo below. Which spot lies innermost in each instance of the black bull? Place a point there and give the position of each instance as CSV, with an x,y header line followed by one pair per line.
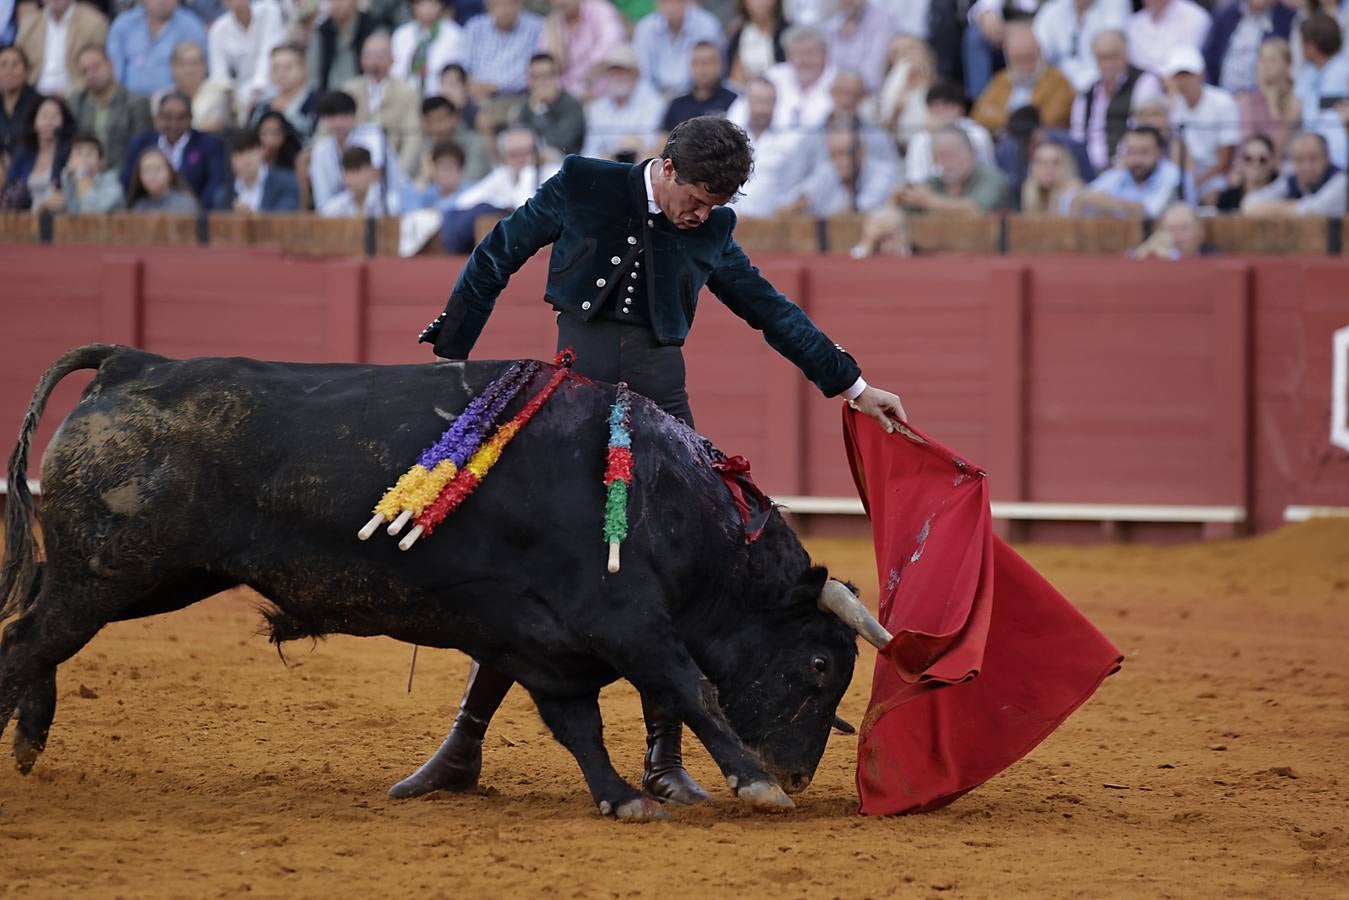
x,y
174,480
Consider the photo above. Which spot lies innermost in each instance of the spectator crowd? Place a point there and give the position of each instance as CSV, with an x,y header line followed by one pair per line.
x,y
439,111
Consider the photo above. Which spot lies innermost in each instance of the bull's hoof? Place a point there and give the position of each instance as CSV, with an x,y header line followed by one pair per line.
x,y
765,796
25,752
638,809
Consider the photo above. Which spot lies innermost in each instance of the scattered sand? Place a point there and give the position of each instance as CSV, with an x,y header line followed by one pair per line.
x,y
187,760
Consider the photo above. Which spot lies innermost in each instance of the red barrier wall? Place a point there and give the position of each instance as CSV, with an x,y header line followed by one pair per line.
x,y
1070,379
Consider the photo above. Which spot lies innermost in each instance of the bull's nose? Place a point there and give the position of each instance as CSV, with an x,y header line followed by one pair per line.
x,y
795,784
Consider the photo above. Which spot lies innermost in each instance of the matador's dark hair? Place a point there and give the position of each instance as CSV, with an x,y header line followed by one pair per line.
x,y
711,152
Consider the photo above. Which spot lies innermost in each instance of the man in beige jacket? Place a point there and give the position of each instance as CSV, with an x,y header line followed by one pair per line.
x,y
52,37
388,102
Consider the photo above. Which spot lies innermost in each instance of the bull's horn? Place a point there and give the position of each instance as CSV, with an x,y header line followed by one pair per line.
x,y
840,724
837,599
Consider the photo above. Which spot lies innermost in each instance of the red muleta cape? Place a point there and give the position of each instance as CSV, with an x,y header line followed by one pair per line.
x,y
987,658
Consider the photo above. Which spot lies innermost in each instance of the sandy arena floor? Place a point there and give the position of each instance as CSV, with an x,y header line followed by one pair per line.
x,y
186,760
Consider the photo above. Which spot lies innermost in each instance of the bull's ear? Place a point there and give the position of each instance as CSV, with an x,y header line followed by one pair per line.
x,y
811,583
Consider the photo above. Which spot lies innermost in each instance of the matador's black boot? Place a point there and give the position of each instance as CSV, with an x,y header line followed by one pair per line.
x,y
663,774
456,765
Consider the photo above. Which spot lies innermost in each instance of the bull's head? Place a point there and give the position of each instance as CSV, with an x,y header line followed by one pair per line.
x,y
781,679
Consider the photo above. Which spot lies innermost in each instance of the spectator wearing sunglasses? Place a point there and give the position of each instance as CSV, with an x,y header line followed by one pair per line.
x,y
1256,168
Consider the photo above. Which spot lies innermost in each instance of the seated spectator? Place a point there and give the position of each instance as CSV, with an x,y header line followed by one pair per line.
x,y
155,186
454,88
199,158
984,36
1026,81
86,187
212,100
945,107
106,109
1257,166
334,55
664,42
848,93
860,34
280,141
550,112
1207,121
442,123
1272,109
142,40
506,187
1067,29
498,46
964,187
709,94
850,179
389,104
781,159
579,34
1160,27
40,154
627,120
257,187
240,45
1234,40
803,82
809,13
51,39
17,97
1013,151
440,181
338,131
901,105
1155,113
1179,235
425,45
288,92
1101,114
1323,81
1140,185
361,194
1053,176
884,233
1315,187
756,39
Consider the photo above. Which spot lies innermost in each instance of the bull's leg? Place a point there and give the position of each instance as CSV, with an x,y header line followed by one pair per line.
x,y
576,723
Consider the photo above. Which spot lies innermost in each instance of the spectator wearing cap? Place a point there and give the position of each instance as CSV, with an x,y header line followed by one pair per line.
x,y
549,111
1160,27
256,187
106,109
665,39
340,130
1141,184
363,192
425,45
441,123
945,107
964,186
1101,114
86,186
1027,81
627,119
849,179
499,44
860,33
334,55
1067,30
781,156
756,39
1315,187
239,47
1323,82
17,97
579,34
389,103
802,83
212,99
709,94
52,38
288,92
198,157
1234,40
1206,119
141,42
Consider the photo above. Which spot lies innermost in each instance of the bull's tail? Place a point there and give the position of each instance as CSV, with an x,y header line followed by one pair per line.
x,y
18,578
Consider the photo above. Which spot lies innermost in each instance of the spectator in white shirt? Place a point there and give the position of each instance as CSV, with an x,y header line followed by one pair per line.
x,y
781,156
803,83
426,45
945,106
1066,29
51,40
849,179
1314,188
1206,119
339,131
361,193
1161,26
627,120
1101,114
240,45
506,187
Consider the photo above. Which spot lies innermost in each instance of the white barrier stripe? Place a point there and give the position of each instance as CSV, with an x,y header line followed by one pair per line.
x,y
1303,513
1092,512
34,486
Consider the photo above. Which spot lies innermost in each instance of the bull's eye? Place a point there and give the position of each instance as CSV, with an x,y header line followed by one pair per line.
x,y
820,664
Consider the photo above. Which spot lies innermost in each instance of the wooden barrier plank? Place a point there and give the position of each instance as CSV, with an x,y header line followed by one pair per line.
x,y
1033,234
845,232
1241,234
84,229
18,228
955,234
